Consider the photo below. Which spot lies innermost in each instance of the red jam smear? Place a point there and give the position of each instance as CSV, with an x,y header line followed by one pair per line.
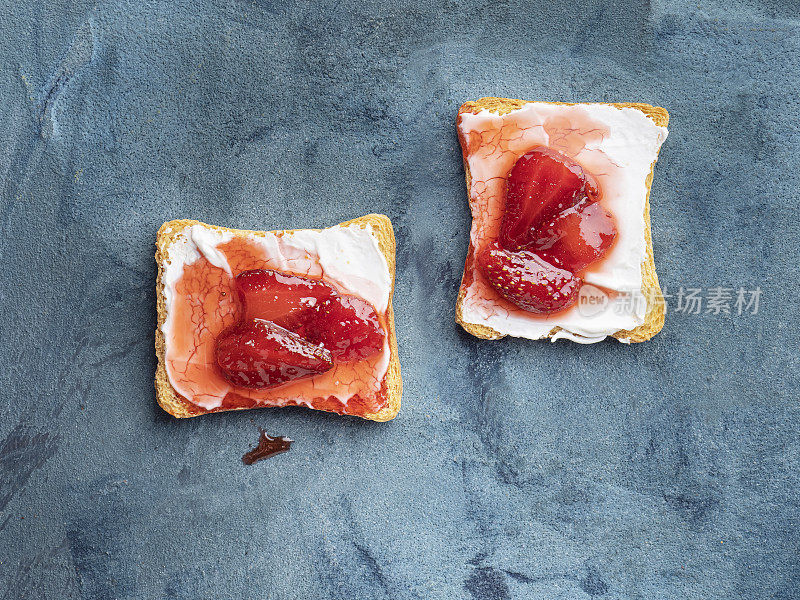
x,y
205,304
497,150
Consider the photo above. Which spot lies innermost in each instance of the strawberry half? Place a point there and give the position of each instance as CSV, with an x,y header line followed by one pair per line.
x,y
527,280
577,237
260,354
279,297
347,326
542,183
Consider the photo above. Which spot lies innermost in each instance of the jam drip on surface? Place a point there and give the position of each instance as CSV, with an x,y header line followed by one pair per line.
x,y
267,446
223,353
552,228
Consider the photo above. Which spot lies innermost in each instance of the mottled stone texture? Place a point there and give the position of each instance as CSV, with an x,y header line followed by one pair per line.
x,y
515,469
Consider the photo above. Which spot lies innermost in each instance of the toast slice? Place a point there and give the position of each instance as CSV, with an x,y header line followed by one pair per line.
x,y
173,231
651,290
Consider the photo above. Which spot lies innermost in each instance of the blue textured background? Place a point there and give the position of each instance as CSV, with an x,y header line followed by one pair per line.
x,y
515,469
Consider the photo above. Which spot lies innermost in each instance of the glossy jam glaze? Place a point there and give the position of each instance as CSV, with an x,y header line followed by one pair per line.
x,y
541,184
259,354
576,237
552,227
527,280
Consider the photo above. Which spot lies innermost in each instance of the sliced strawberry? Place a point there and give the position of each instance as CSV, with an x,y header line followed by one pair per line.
x,y
279,297
541,184
347,326
259,354
577,237
527,280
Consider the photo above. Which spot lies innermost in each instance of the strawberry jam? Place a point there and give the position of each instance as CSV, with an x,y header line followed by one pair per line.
x,y
528,280
260,354
279,297
237,336
347,326
542,184
552,228
267,446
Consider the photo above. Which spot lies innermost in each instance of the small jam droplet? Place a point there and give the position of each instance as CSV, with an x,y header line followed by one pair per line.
x,y
267,446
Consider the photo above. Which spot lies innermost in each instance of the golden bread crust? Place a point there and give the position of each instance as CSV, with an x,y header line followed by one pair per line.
x,y
178,406
654,317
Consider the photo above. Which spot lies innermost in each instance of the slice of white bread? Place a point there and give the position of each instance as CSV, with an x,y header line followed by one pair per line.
x,y
651,291
173,231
